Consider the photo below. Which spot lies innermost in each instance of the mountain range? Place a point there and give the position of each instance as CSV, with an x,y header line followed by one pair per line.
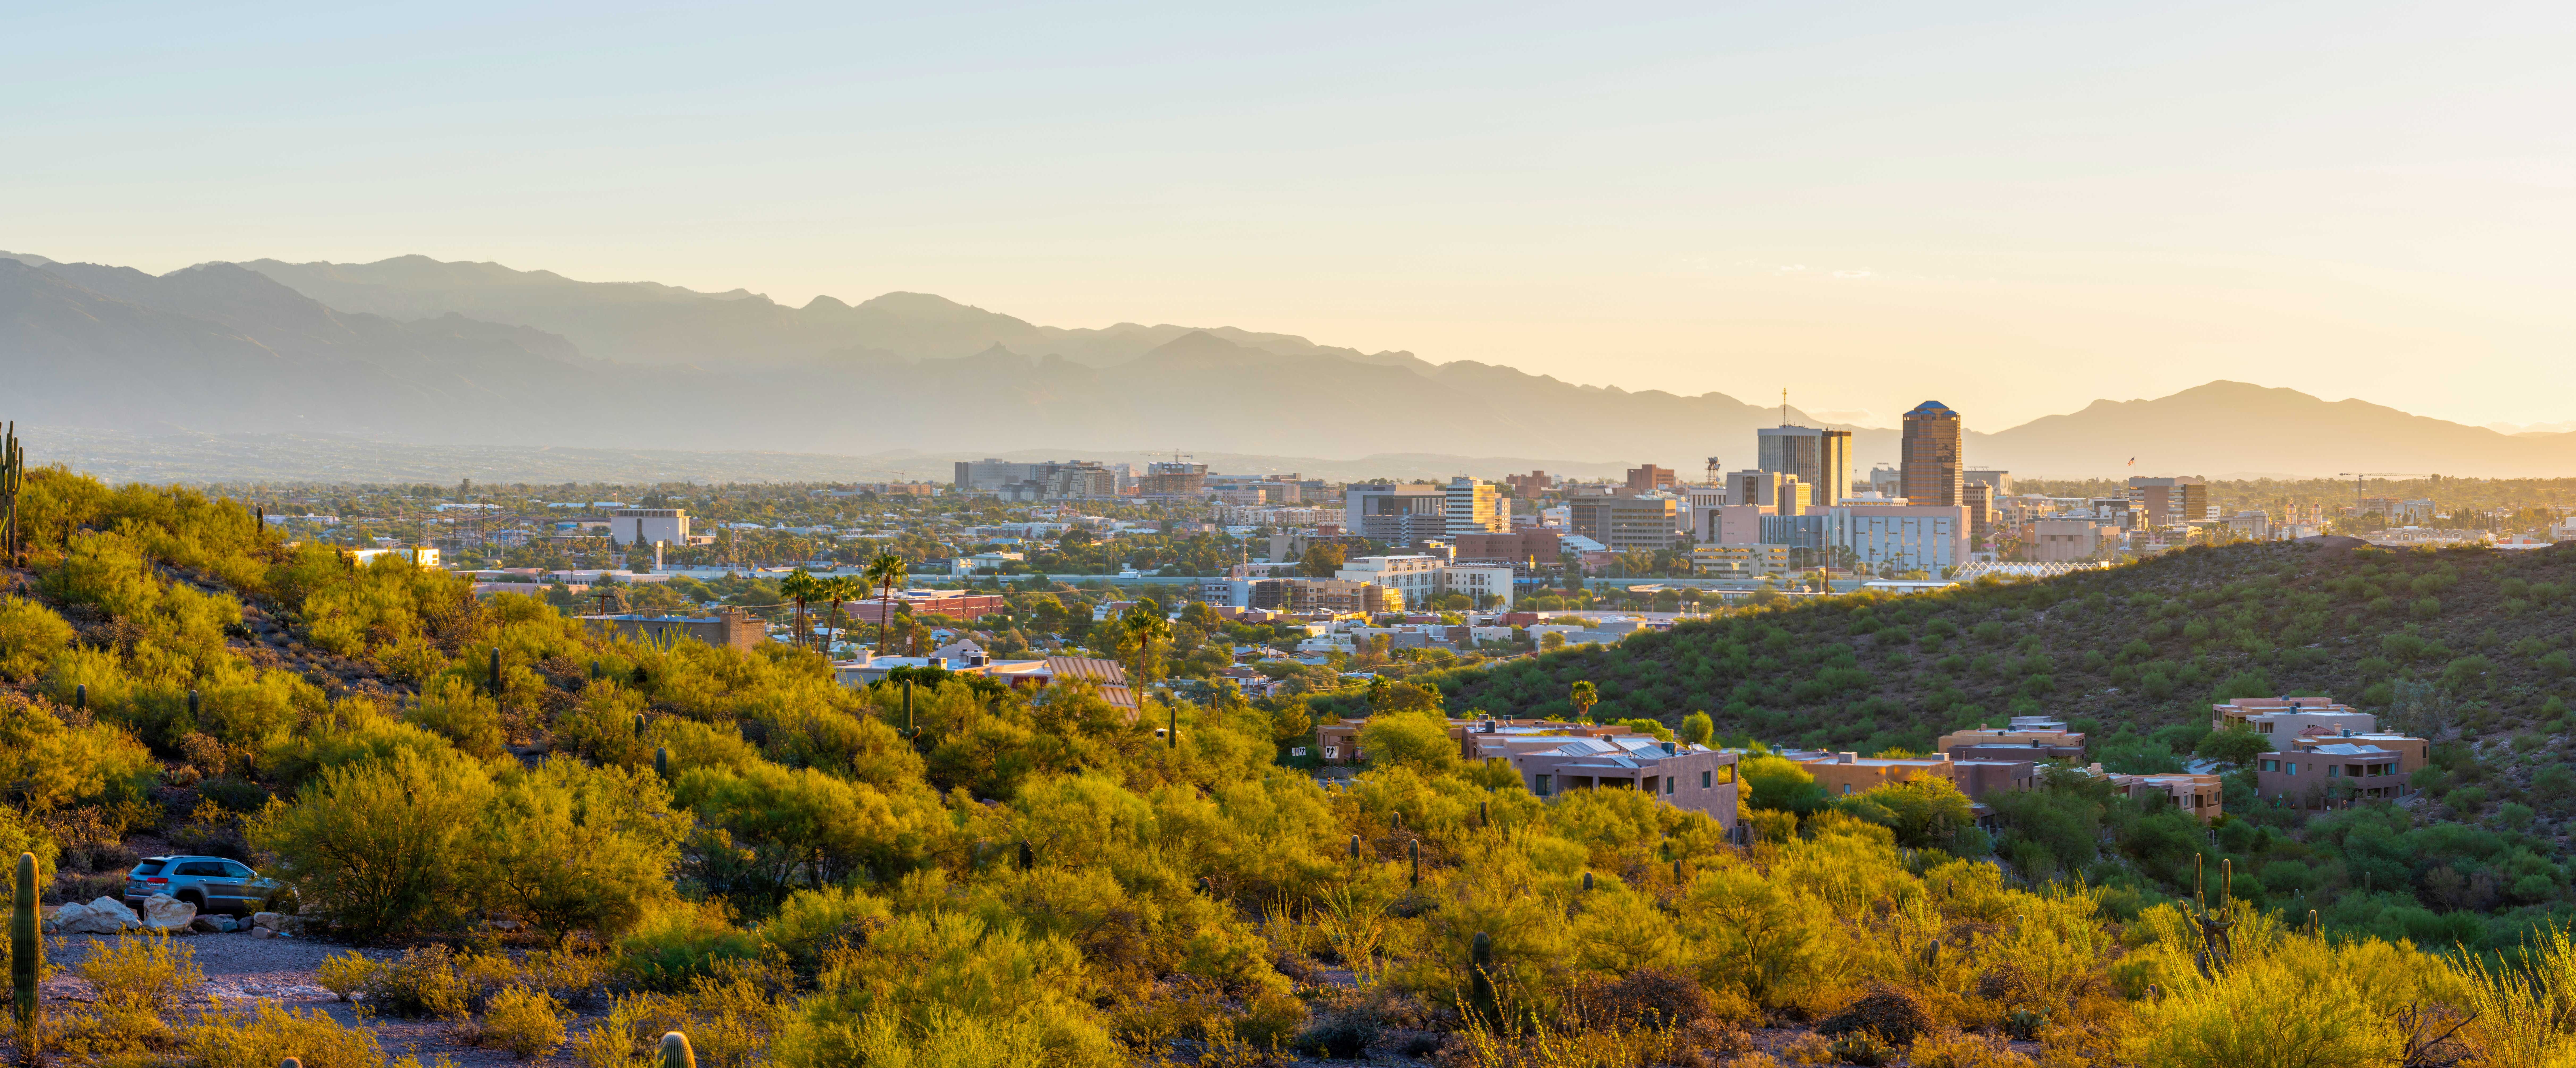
x,y
479,355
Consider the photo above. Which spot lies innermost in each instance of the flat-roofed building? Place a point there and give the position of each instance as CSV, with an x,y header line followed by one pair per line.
x,y
728,627
2336,771
2283,720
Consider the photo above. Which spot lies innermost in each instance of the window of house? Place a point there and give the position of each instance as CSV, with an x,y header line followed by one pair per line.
x,y
2334,771
1704,778
1668,784
1546,784
2271,765
2294,768
1846,787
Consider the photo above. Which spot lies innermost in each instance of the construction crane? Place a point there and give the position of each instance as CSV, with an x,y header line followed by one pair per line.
x,y
2358,476
1713,472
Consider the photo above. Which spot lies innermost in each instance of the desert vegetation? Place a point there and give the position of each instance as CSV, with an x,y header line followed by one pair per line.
x,y
564,845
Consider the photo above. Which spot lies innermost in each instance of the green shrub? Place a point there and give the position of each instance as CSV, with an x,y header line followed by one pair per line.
x,y
525,1021
31,635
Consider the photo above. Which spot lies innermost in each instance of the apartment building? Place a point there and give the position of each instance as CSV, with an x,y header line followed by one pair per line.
x,y
1472,506
2284,720
2055,743
2325,772
1420,578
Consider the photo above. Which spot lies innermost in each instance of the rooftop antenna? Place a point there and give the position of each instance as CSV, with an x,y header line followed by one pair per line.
x,y
1784,406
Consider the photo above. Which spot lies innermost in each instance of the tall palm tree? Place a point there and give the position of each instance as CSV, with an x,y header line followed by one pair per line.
x,y
800,586
1585,696
885,571
1153,632
837,589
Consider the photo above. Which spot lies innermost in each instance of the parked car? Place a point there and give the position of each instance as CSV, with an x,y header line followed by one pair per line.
x,y
213,884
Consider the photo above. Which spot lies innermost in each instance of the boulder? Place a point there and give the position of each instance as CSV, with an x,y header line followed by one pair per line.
x,y
269,921
103,916
208,925
262,932
167,914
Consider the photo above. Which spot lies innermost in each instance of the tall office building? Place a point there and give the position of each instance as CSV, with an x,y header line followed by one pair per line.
x,y
1929,461
1471,507
1397,513
1820,458
2168,502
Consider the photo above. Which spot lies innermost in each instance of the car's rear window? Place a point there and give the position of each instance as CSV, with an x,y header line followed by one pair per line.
x,y
149,867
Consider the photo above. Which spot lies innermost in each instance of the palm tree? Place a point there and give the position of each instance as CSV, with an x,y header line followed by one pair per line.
x,y
1585,696
1147,624
800,586
885,571
837,589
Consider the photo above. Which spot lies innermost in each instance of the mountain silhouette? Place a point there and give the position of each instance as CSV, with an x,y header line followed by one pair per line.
x,y
413,349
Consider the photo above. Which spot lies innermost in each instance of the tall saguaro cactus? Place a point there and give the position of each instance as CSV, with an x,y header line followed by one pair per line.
x,y
26,955
676,1052
13,469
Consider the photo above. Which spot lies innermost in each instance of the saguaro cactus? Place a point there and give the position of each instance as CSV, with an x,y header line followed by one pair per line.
x,y
1028,856
676,1052
662,762
26,955
1480,981
1414,852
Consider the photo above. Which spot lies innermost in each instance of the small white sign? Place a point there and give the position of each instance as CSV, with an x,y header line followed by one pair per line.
x,y
1297,751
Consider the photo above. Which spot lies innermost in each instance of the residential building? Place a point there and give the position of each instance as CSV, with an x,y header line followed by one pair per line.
x,y
1930,456
1907,537
1396,513
648,526
1651,479
2199,795
1554,758
728,628
2055,744
2063,538
1471,508
2168,502
1624,523
2337,771
1852,773
2414,751
2283,720
1820,459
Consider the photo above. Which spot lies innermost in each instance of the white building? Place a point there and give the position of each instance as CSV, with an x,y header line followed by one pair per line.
x,y
644,526
1927,538
1421,578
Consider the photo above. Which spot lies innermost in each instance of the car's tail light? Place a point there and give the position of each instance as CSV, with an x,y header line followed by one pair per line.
x,y
156,880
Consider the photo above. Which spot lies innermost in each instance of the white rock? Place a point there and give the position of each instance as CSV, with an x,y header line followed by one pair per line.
x,y
262,932
268,921
166,914
90,919
113,907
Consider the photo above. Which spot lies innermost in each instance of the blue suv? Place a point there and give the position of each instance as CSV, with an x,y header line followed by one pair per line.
x,y
213,884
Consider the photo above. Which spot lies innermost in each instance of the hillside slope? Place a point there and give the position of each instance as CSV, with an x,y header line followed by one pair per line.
x,y
2132,649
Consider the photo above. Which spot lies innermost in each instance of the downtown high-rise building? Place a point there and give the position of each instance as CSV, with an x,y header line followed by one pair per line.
x,y
1929,463
1821,459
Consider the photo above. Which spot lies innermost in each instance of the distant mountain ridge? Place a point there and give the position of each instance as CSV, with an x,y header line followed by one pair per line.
x,y
476,354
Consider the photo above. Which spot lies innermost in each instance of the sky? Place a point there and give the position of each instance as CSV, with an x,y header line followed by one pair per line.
x,y
2013,208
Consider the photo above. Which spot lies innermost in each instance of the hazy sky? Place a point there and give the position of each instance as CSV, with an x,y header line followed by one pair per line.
x,y
2014,208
